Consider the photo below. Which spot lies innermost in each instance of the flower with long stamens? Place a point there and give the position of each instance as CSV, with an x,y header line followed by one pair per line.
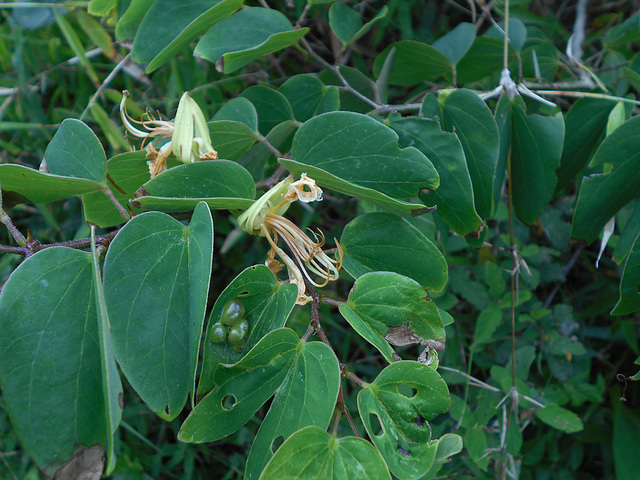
x,y
265,218
189,133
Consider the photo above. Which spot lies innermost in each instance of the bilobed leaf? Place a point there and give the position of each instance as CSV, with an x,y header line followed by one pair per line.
x,y
111,385
360,150
629,235
385,242
347,25
156,278
130,20
536,146
101,7
241,389
308,96
221,184
455,43
517,33
387,308
414,63
238,109
267,304
128,171
170,26
249,34
312,453
272,106
454,198
585,123
484,58
466,115
50,356
404,440
629,301
306,397
603,194
560,418
358,80
232,139
75,151
39,187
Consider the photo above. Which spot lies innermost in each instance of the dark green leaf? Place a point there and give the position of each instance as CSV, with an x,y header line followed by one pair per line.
x,y
484,58
455,43
560,418
258,157
50,356
347,25
603,194
626,435
130,20
238,109
232,139
308,96
312,453
454,198
404,439
629,301
272,106
360,150
76,152
386,242
267,307
414,63
156,278
241,389
306,397
387,308
249,34
517,33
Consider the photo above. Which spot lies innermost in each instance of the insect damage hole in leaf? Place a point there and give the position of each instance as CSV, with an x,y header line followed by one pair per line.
x,y
275,445
228,402
407,390
376,425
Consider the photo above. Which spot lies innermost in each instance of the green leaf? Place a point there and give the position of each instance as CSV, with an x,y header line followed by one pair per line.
x,y
74,42
222,184
387,308
259,156
101,7
454,198
251,33
358,80
267,307
309,97
272,106
414,63
517,33
39,187
232,139
50,356
626,425
488,321
332,182
404,438
466,115
585,123
347,25
111,385
312,453
560,418
128,171
503,119
156,278
238,109
484,58
457,42
449,445
360,150
536,146
306,397
241,389
629,301
76,152
603,194
170,26
383,241
129,22
629,235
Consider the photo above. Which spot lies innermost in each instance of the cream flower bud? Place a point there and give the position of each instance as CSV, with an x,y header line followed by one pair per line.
x,y
252,219
191,140
304,190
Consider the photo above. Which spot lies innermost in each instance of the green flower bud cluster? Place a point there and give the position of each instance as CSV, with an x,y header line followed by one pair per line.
x,y
232,326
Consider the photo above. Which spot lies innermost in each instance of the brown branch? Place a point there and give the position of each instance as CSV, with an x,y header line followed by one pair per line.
x,y
34,246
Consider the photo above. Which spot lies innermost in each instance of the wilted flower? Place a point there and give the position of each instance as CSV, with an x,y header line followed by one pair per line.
x,y
189,133
264,218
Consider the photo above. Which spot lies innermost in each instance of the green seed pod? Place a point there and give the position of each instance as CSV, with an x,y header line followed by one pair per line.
x,y
218,333
237,333
232,312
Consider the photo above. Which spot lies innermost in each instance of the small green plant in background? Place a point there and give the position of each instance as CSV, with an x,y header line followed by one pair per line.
x,y
317,239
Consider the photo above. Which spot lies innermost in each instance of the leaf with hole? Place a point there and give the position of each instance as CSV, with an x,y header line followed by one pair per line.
x,y
267,307
396,409
312,453
385,242
386,308
247,35
156,279
55,357
306,397
242,388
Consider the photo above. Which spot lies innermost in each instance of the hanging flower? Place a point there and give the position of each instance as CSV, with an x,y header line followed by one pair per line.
x,y
189,133
265,218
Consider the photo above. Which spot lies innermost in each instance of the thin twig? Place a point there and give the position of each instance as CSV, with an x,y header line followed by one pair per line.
x,y
262,139
104,84
35,246
15,233
123,211
273,179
